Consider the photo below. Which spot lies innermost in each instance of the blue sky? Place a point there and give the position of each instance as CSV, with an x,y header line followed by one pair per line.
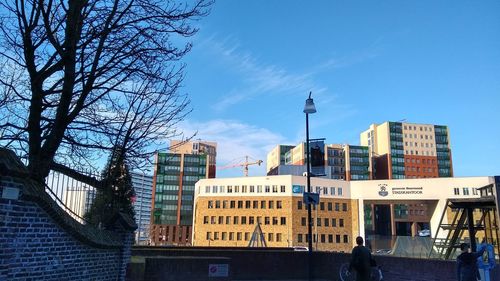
x,y
254,62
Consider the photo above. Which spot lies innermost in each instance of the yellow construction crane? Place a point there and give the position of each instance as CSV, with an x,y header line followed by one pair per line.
x,y
244,165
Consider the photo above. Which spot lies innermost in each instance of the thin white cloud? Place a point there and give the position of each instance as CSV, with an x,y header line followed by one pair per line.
x,y
235,140
258,77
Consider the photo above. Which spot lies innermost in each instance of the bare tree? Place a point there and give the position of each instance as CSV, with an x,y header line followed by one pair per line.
x,y
81,77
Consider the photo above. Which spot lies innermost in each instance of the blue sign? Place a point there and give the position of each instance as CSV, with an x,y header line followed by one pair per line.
x,y
297,189
311,198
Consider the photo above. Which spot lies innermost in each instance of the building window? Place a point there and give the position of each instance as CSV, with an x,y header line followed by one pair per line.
x,y
275,189
322,206
214,189
474,191
255,204
334,222
283,189
456,191
346,239
221,220
337,238
299,205
268,189
224,204
271,204
262,204
207,189
330,206
217,204
303,221
236,189
344,207
332,190
339,191
318,221
323,240
210,204
247,236
275,220
216,235
466,190
330,238
337,207
341,222
205,220
252,188
247,204
224,236
232,204
267,220
212,220
327,222
209,235
259,188
283,220
238,236
278,237
240,204
228,220
231,236
243,220
244,188
279,204
299,238
236,220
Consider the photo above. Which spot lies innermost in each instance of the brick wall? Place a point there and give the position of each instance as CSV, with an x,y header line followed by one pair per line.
x,y
39,241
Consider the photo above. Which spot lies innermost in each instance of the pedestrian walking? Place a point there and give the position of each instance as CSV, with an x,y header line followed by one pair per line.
x,y
467,264
361,261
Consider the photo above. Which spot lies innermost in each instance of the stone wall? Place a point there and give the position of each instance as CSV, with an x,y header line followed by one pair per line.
x,y
40,241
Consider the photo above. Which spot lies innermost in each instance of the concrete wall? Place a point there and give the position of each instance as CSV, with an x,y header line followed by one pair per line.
x,y
40,241
277,264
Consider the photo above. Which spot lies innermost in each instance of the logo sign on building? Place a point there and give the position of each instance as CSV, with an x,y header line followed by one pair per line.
x,y
383,190
218,270
297,188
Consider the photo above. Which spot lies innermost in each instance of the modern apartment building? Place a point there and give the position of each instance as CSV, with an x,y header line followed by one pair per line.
x,y
336,161
198,147
227,211
143,186
276,156
406,150
173,192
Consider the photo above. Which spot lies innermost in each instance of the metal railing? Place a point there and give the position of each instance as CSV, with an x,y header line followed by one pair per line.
x,y
73,196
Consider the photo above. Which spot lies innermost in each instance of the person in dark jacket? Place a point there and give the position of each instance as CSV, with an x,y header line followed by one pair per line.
x,y
361,260
467,264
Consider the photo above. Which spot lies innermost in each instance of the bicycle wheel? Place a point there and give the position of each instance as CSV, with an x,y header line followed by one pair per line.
x,y
344,273
376,274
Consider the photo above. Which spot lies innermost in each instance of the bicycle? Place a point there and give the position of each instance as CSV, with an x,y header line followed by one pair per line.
x,y
345,275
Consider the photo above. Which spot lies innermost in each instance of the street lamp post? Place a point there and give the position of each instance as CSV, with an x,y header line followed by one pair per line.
x,y
309,108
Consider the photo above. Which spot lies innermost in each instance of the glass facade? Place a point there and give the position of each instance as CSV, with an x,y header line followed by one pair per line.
x,y
359,161
443,151
397,150
174,179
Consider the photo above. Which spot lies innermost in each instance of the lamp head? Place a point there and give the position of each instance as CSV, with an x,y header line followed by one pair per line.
x,y
309,107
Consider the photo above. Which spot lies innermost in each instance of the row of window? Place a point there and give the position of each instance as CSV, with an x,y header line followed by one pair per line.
x,y
323,238
423,161
319,189
427,145
425,153
226,204
414,128
244,220
465,190
245,189
326,222
329,206
241,236
424,169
